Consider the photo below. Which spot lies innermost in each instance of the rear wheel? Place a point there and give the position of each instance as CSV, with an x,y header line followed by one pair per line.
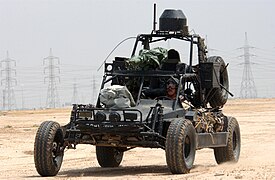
x,y
48,148
231,152
109,156
180,146
218,96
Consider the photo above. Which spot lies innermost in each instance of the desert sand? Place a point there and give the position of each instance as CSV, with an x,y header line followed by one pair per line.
x,y
257,159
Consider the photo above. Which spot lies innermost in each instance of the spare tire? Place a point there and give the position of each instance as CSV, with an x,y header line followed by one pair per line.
x,y
218,96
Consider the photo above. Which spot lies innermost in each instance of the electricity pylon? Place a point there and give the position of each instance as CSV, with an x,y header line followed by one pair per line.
x,y
75,98
9,81
52,69
248,88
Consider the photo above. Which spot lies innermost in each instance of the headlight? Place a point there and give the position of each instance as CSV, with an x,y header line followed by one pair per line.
x,y
100,116
130,116
114,116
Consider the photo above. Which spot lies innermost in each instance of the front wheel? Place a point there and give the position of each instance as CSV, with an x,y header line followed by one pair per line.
x,y
48,148
180,146
109,156
231,152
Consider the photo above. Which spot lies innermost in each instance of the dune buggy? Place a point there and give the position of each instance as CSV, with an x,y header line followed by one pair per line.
x,y
133,110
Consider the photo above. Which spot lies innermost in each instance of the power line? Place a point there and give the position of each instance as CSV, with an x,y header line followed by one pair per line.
x,y
9,81
52,94
248,88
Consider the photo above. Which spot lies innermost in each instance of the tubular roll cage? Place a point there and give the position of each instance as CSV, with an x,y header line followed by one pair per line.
x,y
146,39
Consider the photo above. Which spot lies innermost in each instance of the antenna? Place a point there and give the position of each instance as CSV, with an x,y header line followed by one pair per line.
x,y
114,50
154,20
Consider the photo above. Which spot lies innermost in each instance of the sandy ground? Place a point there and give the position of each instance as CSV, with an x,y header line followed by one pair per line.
x,y
257,159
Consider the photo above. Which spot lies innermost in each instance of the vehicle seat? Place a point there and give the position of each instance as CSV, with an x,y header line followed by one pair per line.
x,y
173,59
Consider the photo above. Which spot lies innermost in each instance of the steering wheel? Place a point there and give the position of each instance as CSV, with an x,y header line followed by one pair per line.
x,y
163,98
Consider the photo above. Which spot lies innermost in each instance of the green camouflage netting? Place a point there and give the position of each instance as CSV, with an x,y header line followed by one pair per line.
x,y
148,59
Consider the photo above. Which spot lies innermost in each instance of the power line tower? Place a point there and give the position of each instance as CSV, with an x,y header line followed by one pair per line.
x,y
52,69
248,88
9,81
93,98
75,98
22,98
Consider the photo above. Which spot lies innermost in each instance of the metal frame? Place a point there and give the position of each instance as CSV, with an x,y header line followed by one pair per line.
x,y
143,132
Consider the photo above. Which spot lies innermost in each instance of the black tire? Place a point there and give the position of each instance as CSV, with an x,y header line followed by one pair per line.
x,y
48,148
231,152
180,146
109,156
218,96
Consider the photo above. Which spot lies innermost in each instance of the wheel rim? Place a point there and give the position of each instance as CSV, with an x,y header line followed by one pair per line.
x,y
57,150
118,155
236,145
187,147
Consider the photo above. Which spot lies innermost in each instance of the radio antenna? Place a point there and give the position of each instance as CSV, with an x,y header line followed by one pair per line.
x,y
114,50
154,20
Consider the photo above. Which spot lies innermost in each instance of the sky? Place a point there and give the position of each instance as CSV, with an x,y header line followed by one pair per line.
x,y
82,33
